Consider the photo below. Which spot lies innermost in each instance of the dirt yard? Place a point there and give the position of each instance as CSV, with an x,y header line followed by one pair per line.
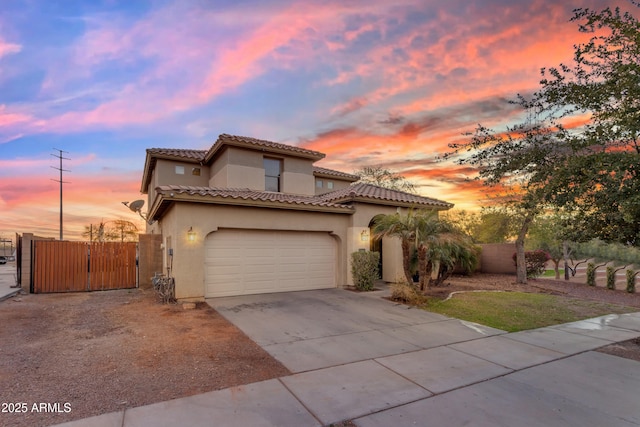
x,y
101,352
87,354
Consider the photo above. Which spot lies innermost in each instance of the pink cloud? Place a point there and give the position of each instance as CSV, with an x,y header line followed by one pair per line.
x,y
7,48
9,118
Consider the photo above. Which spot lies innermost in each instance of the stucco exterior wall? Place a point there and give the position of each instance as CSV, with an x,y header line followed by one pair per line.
x,y
240,168
297,176
337,185
189,257
391,251
165,174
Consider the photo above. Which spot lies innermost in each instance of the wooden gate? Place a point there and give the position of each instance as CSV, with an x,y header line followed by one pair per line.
x,y
61,266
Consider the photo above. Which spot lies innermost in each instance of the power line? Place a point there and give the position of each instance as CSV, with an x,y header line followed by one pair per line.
x,y
59,156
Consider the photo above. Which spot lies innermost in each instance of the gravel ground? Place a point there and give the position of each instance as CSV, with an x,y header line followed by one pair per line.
x,y
101,352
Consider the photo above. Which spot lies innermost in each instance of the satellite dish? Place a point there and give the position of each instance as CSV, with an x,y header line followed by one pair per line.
x,y
136,205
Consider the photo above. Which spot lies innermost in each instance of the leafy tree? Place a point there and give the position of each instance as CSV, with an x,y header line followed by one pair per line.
x,y
493,224
377,175
497,224
605,252
124,230
466,221
549,233
110,231
591,169
601,183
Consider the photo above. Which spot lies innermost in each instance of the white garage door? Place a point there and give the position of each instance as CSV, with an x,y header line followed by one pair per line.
x,y
241,262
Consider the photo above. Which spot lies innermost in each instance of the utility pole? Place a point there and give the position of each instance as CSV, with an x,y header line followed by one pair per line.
x,y
59,156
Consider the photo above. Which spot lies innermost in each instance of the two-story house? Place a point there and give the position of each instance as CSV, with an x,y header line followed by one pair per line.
x,y
250,216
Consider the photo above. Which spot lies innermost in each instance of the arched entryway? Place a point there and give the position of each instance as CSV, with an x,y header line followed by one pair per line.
x,y
375,243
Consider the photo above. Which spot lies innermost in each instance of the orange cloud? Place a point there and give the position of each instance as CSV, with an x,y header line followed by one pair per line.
x,y
31,203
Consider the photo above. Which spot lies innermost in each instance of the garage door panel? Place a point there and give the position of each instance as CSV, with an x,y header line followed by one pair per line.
x,y
246,262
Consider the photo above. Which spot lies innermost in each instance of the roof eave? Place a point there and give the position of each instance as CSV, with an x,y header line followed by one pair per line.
x,y
219,145
438,206
146,174
162,202
337,177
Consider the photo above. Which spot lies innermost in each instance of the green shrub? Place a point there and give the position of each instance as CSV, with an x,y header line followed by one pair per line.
x,y
364,269
591,274
407,294
611,278
631,281
536,262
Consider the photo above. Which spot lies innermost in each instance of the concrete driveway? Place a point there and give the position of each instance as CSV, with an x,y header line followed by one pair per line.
x,y
357,356
317,329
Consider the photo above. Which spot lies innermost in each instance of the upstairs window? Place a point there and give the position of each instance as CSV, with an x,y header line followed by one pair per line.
x,y
318,183
272,172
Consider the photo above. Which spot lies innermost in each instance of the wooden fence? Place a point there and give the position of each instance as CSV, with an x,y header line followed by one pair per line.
x,y
61,266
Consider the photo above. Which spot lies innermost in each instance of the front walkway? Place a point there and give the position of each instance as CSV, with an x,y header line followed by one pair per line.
x,y
410,368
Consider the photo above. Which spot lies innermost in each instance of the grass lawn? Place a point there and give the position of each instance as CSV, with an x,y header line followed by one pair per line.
x,y
552,273
518,311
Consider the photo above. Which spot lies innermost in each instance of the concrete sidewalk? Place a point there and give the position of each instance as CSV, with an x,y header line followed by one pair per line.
x,y
7,280
542,377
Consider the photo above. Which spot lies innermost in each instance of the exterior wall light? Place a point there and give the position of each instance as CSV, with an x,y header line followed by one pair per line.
x,y
191,235
364,235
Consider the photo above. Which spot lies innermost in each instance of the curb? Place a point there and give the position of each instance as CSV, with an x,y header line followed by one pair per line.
x,y
10,294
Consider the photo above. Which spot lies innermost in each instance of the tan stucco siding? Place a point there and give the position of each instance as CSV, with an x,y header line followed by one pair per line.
x,y
297,176
337,185
297,183
238,176
237,168
218,177
151,190
241,168
165,173
189,257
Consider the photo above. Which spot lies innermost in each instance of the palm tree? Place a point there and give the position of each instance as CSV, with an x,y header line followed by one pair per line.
x,y
452,249
402,227
438,244
428,229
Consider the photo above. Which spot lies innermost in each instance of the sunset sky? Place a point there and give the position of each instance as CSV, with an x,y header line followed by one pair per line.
x,y
373,82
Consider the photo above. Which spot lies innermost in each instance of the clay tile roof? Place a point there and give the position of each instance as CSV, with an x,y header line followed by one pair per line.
x,y
251,195
186,154
245,141
365,192
318,171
